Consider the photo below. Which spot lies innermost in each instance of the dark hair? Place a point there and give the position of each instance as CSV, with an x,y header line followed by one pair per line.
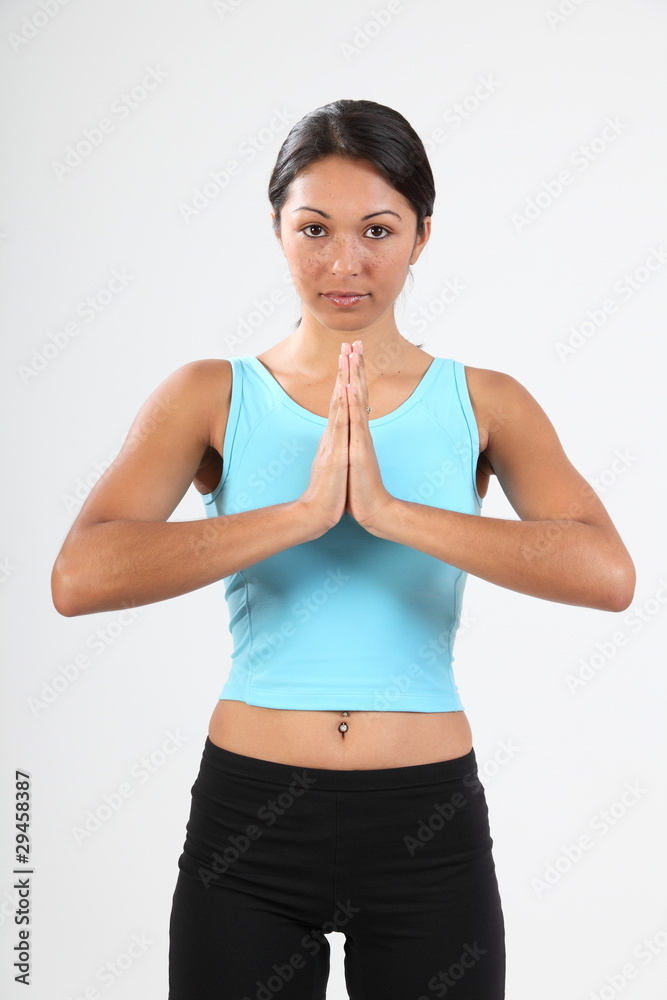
x,y
358,130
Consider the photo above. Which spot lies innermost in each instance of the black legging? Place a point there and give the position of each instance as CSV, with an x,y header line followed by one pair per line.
x,y
397,859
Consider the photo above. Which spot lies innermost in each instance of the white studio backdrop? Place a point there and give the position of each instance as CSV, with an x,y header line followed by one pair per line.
x,y
135,236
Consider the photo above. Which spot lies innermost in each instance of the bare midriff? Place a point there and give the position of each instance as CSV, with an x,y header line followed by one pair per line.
x,y
339,739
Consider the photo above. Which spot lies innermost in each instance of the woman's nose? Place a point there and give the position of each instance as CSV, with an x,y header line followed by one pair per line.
x,y
347,255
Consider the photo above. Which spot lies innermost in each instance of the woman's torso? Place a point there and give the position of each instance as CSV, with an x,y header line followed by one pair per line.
x,y
313,738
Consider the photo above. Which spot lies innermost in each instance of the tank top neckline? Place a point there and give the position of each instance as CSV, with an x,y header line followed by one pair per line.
x,y
414,397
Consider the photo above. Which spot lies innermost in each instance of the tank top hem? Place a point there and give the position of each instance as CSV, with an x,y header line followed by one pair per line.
x,y
352,701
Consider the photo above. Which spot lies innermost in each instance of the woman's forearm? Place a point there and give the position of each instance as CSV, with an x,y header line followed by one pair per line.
x,y
118,564
562,560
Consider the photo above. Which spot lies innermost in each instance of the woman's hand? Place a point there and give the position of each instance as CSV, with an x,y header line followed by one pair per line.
x,y
366,493
324,499
345,475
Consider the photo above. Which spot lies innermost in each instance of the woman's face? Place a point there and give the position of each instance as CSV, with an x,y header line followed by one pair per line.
x,y
344,228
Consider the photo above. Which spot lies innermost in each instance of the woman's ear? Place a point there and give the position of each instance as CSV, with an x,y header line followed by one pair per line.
x,y
276,232
421,240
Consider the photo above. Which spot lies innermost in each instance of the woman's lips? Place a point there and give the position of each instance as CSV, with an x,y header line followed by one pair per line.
x,y
346,300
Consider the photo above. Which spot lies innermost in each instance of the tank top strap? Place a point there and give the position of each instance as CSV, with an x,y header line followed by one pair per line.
x,y
251,399
448,400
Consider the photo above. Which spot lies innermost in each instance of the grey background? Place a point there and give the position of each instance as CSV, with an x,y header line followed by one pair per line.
x,y
220,74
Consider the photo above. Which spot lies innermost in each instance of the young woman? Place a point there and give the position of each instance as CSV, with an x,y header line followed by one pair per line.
x,y
342,474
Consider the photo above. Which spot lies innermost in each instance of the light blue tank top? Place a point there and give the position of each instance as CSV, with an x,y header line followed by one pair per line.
x,y
347,621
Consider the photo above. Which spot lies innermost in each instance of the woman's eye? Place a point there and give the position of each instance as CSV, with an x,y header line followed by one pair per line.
x,y
380,227
316,225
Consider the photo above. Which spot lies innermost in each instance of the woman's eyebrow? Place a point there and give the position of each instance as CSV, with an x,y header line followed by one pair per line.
x,y
383,211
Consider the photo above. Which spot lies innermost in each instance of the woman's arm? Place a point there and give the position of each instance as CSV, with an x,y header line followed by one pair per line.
x,y
121,551
565,548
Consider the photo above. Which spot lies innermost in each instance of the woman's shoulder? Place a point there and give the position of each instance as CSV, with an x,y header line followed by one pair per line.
x,y
203,375
207,367
494,390
487,378
206,384
487,389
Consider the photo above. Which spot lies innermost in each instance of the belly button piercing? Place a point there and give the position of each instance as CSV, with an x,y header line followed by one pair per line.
x,y
343,725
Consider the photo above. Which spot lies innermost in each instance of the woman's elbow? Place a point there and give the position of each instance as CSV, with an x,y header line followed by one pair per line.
x,y
622,589
64,590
